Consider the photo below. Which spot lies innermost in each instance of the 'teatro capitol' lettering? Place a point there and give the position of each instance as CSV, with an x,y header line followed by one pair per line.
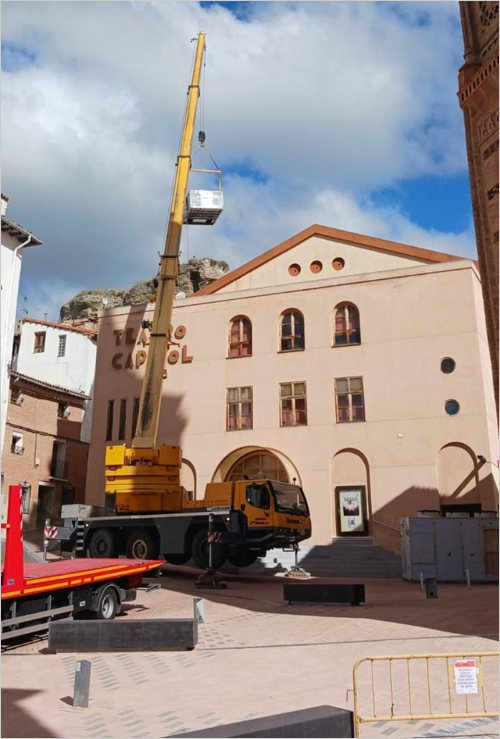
x,y
133,358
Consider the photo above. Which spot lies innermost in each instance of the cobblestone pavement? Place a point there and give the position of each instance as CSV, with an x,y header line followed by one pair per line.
x,y
256,656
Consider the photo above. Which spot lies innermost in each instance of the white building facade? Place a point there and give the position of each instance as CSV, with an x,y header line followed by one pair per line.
x,y
61,355
15,239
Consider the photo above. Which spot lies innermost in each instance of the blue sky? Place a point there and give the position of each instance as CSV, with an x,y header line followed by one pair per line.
x,y
341,113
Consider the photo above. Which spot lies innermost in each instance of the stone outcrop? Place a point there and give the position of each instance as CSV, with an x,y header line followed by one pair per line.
x,y
83,308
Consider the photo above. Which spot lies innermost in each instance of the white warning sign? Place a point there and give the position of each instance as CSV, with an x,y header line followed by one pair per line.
x,y
465,673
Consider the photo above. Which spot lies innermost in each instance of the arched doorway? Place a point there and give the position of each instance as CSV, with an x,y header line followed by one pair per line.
x,y
259,465
256,462
351,493
458,478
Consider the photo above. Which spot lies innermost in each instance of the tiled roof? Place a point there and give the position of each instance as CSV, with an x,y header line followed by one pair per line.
x,y
63,326
336,234
15,376
15,229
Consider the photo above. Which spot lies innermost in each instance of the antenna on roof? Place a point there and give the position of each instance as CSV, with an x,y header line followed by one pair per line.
x,y
45,315
25,308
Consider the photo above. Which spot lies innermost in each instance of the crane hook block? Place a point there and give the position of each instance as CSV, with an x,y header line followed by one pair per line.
x,y
201,137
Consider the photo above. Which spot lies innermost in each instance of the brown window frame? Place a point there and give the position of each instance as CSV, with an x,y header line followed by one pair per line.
x,y
349,393
135,415
240,347
352,336
39,345
122,425
109,420
294,337
238,404
293,397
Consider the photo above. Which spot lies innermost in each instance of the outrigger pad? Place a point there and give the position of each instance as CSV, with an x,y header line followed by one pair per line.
x,y
312,592
317,723
148,635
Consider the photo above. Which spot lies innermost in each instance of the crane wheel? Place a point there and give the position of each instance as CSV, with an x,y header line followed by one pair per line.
x,y
142,545
102,544
200,551
242,557
177,559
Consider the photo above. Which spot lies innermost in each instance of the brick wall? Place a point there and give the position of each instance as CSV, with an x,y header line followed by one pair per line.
x,y
37,420
478,96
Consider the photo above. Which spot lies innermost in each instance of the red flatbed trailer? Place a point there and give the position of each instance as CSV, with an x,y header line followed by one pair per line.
x,y
34,593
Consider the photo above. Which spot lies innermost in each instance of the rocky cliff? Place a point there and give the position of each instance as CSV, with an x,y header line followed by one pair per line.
x,y
82,309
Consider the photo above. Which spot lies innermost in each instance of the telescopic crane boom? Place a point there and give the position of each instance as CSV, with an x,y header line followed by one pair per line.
x,y
150,402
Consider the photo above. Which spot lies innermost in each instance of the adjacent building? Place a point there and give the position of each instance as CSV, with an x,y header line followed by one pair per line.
x,y
49,416
478,97
15,239
356,366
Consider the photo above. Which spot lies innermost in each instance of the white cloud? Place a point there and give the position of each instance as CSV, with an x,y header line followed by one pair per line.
x,y
329,101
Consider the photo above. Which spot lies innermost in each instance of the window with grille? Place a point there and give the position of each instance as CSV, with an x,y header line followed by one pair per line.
x,y
240,337
293,404
17,446
39,342
122,426
347,327
25,498
349,399
239,408
109,420
61,351
292,331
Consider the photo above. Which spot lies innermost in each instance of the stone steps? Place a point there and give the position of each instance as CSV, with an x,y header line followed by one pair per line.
x,y
343,558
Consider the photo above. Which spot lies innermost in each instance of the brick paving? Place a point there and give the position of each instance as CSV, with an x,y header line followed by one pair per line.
x,y
256,656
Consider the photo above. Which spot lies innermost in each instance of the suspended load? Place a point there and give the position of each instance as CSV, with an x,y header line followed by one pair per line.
x,y
203,207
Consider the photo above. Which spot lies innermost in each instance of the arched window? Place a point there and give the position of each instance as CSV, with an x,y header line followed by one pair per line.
x,y
258,466
347,329
292,331
240,337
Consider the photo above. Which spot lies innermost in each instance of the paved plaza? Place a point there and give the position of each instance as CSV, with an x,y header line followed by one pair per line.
x,y
256,656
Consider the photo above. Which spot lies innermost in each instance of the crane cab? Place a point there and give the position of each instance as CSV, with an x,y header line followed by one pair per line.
x,y
203,207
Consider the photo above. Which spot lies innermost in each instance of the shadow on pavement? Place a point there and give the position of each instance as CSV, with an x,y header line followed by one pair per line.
x,y
16,722
458,609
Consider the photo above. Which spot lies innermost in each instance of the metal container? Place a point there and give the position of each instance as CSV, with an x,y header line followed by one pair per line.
x,y
203,207
450,549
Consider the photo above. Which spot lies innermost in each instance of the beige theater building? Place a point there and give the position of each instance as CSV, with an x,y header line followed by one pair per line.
x,y
357,366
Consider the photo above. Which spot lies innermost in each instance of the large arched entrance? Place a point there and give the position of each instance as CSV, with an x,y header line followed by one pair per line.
x,y
258,466
256,463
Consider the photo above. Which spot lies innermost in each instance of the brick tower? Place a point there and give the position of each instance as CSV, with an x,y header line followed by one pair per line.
x,y
478,96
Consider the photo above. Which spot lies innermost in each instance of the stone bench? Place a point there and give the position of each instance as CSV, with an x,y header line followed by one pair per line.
x,y
319,722
123,635
312,592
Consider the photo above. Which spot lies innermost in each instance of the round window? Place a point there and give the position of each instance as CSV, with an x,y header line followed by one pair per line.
x,y
294,270
338,263
316,266
452,407
448,365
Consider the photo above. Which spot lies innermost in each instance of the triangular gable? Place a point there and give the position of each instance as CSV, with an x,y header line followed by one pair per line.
x,y
320,244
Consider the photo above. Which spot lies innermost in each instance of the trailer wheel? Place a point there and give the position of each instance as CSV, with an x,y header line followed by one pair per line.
x,y
200,551
242,557
142,545
102,544
108,605
177,559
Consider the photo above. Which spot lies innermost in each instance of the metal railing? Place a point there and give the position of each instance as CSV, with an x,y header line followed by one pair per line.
x,y
425,686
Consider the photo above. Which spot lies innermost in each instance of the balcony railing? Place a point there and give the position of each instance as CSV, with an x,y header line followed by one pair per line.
x,y
59,469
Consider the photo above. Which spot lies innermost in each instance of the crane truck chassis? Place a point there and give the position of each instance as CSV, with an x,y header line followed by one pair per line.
x,y
250,517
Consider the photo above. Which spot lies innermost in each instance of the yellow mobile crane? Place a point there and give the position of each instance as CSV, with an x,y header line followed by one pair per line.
x,y
151,512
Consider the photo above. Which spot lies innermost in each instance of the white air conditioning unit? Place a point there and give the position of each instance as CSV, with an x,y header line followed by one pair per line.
x,y
19,400
18,449
66,412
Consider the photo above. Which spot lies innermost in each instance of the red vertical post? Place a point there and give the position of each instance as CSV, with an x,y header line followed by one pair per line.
x,y
13,569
